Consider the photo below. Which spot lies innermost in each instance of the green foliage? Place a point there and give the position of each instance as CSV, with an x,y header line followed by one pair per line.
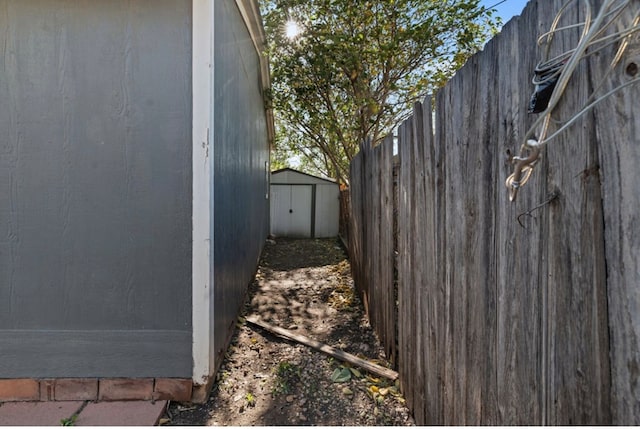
x,y
251,399
287,374
357,67
71,421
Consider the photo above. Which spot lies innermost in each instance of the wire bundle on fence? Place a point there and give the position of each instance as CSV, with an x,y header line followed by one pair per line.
x,y
554,75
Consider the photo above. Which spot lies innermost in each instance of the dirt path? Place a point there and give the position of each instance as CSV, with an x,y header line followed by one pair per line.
x,y
304,286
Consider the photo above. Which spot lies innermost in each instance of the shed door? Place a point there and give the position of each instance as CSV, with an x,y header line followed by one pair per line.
x,y
291,210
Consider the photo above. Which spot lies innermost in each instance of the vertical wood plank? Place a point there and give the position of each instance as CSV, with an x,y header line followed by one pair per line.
x,y
418,267
405,272
576,272
356,221
435,241
365,287
520,352
445,335
617,127
387,256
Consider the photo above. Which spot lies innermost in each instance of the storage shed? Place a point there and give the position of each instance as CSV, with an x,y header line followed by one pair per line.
x,y
134,167
303,205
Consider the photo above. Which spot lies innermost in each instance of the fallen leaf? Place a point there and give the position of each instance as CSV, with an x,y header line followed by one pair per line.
x,y
347,392
163,421
355,372
341,375
373,379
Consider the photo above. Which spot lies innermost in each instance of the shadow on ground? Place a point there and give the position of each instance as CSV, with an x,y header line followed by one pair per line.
x,y
304,286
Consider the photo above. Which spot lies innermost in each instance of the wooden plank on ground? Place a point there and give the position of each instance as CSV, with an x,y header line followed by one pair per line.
x,y
317,345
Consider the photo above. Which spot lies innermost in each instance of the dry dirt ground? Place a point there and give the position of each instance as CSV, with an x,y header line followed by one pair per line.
x,y
304,286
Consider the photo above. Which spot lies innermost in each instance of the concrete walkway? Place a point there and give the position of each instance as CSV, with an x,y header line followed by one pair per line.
x,y
55,413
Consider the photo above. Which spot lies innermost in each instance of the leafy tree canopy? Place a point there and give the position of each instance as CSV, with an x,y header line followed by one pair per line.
x,y
356,68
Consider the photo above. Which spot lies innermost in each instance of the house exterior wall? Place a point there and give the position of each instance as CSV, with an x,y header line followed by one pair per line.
x,y
240,156
95,188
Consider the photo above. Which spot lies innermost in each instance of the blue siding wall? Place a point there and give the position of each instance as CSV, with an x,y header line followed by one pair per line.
x,y
95,188
240,150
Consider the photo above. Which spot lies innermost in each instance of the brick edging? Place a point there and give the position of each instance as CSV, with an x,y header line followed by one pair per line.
x,y
95,389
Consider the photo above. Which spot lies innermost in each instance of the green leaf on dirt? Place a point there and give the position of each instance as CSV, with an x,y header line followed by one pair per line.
x,y
341,375
347,392
355,372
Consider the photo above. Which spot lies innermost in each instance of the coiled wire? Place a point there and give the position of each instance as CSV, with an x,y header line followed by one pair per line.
x,y
561,68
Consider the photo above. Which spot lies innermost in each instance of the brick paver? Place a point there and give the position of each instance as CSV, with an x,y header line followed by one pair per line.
x,y
36,413
20,389
174,389
125,389
51,413
133,413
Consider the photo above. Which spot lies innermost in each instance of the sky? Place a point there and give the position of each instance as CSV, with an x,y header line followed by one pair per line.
x,y
506,9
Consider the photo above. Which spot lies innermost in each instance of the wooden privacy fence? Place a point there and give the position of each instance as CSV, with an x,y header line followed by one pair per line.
x,y
501,313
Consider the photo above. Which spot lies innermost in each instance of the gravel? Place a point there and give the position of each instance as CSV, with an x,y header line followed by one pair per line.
x,y
304,286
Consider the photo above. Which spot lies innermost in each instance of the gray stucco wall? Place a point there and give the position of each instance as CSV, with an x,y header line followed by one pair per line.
x,y
95,188
240,182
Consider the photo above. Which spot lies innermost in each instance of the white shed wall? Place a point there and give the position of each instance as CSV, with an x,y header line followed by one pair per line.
x,y
326,206
327,210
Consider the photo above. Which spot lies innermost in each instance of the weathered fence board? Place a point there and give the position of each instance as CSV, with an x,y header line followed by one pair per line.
x,y
385,290
409,325
373,271
356,233
618,130
522,312
406,318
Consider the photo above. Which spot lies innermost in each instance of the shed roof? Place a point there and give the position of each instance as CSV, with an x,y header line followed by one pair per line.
x,y
287,171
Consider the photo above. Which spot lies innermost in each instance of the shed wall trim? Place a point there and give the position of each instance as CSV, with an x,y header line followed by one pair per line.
x,y
202,78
